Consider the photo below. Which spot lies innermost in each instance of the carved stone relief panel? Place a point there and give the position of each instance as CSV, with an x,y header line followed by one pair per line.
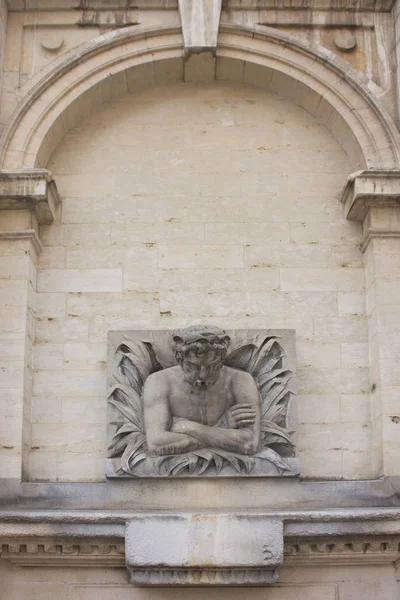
x,y
201,401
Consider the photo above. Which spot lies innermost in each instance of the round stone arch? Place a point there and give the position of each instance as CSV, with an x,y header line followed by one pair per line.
x,y
129,59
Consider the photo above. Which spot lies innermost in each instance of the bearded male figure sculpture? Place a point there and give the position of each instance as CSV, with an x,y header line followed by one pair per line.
x,y
201,403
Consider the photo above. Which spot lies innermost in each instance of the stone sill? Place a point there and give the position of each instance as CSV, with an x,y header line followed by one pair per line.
x,y
166,493
109,522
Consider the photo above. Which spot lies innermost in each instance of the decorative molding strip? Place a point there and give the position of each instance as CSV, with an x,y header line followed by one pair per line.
x,y
342,551
107,17
34,189
373,232
203,577
364,189
32,552
24,234
110,553
376,5
350,5
349,516
163,547
287,18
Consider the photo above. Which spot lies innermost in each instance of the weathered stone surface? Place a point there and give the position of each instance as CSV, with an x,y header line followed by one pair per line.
x,y
34,189
206,197
169,494
370,188
163,548
200,23
201,227
203,549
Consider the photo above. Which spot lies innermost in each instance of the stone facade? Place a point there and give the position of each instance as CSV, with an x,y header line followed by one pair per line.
x,y
230,163
182,236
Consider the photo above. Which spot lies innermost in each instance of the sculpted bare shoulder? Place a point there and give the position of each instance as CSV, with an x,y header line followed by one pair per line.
x,y
241,376
231,375
161,380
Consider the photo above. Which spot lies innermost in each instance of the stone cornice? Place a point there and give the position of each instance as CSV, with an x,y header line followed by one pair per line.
x,y
24,234
377,6
46,5
32,189
364,528
353,516
61,552
364,189
375,232
97,539
100,553
342,551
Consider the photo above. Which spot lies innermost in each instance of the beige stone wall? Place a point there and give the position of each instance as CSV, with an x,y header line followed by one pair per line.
x,y
18,271
3,38
182,203
215,203
382,259
300,583
395,16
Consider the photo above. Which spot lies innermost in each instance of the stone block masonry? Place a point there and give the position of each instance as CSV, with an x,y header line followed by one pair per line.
x,y
221,219
201,149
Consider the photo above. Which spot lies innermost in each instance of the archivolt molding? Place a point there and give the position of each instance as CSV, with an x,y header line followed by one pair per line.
x,y
315,78
47,97
324,85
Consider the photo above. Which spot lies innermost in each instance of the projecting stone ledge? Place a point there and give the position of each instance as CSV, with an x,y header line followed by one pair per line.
x,y
204,549
32,189
370,188
372,197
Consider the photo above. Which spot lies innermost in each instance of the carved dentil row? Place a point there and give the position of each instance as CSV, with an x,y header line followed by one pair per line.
x,y
111,553
63,552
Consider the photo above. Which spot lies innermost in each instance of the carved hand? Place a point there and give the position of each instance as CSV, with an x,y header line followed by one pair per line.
x,y
238,416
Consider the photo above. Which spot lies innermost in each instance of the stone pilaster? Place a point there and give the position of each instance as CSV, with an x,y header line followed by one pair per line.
x,y
373,197
26,202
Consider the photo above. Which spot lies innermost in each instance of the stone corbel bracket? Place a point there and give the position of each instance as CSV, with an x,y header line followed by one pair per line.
x,y
204,549
200,24
368,190
32,189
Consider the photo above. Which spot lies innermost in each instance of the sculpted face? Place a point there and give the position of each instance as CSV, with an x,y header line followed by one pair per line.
x,y
202,370
201,350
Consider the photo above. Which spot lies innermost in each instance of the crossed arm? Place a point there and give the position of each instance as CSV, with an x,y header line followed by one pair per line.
x,y
237,430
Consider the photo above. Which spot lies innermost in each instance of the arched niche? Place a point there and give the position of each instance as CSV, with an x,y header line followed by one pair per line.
x,y
132,58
